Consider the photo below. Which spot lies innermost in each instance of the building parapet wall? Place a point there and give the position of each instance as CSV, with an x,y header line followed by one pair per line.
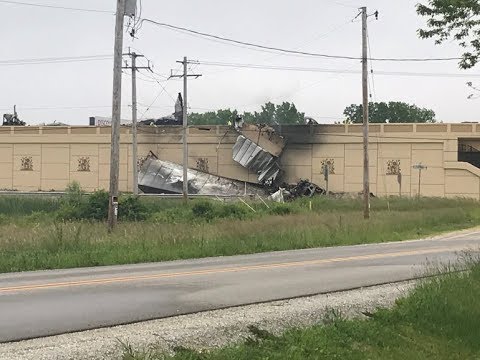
x,y
48,158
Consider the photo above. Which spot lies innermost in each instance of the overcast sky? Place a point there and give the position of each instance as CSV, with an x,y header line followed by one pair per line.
x,y
71,92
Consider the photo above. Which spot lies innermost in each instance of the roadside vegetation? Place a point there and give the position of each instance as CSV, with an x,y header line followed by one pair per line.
x,y
50,233
440,319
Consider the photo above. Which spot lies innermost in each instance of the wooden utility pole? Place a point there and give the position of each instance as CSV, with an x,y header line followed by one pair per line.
x,y
185,126
134,124
134,69
366,175
116,114
185,77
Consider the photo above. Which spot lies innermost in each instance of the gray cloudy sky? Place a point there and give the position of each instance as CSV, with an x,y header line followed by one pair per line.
x,y
71,92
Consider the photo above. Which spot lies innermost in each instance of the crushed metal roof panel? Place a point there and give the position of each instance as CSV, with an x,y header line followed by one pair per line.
x,y
256,159
264,136
164,177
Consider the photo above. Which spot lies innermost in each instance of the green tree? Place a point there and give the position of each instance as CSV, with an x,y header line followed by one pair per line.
x,y
392,112
220,117
287,113
454,19
267,115
208,118
270,114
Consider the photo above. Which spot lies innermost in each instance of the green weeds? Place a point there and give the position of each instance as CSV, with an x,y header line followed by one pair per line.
x,y
86,243
66,232
440,319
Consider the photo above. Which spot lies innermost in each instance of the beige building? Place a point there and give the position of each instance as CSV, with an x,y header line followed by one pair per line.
x,y
48,158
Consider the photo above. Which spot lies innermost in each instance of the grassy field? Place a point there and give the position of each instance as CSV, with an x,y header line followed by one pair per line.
x,y
34,235
439,320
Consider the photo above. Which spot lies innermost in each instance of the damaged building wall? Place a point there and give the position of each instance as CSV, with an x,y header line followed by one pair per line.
x,y
48,158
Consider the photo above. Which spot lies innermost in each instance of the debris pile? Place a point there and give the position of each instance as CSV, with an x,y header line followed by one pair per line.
x,y
304,188
164,121
12,119
175,119
258,148
164,177
289,192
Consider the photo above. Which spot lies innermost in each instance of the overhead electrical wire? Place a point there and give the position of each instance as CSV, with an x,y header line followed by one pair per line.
x,y
288,51
159,82
276,55
139,22
344,5
339,71
54,60
371,70
163,90
57,7
20,108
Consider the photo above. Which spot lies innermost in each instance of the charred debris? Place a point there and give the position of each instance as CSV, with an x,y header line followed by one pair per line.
x,y
258,148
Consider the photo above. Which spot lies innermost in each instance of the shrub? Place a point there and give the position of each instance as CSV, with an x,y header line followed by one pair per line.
x,y
131,208
72,203
96,206
69,212
77,206
74,194
234,211
204,210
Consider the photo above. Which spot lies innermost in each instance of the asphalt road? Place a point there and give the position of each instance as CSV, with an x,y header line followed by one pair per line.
x,y
36,304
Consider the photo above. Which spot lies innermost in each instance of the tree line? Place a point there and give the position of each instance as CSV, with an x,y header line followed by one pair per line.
x,y
286,113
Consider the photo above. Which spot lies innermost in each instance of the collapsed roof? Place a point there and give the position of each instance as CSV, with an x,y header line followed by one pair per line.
x,y
164,177
257,149
175,119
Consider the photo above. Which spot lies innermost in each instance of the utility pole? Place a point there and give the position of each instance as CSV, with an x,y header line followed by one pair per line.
x,y
185,77
366,175
134,69
134,124
116,113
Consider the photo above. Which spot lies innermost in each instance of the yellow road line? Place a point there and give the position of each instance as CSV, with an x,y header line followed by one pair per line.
x,y
103,281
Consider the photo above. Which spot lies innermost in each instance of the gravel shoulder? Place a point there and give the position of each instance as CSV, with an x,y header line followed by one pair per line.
x,y
205,330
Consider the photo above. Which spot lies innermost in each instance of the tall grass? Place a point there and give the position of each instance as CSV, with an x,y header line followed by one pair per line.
x,y
26,205
439,320
48,245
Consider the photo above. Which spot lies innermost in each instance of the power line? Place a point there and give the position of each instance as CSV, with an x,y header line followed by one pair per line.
x,y
344,5
163,90
155,106
54,60
371,69
337,71
300,89
57,7
159,82
289,51
320,36
60,107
